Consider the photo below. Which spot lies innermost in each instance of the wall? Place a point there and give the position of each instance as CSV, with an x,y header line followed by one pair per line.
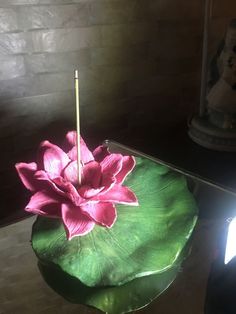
x,y
135,51
139,63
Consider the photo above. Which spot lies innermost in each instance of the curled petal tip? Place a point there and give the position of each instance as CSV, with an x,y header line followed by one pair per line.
x,y
43,143
26,173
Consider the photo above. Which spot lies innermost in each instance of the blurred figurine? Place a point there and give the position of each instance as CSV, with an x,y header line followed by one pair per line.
x,y
222,96
216,129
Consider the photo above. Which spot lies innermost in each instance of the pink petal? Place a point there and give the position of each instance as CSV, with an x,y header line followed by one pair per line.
x,y
71,138
100,153
102,213
60,186
26,173
91,174
70,191
86,155
87,192
54,158
47,183
108,182
128,164
75,222
70,173
112,164
45,204
72,154
118,194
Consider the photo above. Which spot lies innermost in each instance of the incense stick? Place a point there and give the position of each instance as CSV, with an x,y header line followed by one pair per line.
x,y
78,124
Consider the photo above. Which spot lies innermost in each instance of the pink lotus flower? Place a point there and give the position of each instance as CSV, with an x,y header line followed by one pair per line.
x,y
53,180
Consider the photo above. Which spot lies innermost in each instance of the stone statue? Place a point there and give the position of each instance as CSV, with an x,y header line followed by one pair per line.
x,y
222,96
216,127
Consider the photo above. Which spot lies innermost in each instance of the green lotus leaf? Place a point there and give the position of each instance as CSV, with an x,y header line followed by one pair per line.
x,y
145,240
116,300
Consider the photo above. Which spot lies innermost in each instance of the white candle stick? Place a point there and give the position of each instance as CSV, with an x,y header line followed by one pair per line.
x,y
78,124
